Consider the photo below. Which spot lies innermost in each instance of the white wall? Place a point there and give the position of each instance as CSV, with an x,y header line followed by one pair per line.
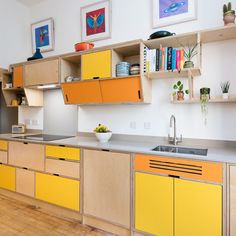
x,y
132,20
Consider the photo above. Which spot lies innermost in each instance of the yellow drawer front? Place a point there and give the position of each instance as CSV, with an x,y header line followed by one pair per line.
x,y
96,64
154,204
57,190
63,152
8,177
198,209
3,145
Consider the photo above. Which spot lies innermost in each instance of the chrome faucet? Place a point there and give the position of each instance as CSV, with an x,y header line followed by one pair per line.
x,y
174,140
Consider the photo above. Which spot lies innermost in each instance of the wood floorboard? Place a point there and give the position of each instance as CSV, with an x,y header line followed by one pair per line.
x,y
20,219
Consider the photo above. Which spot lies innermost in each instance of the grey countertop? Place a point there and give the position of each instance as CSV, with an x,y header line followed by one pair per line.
x,y
219,151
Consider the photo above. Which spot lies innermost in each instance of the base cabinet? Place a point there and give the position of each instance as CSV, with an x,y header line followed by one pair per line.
x,y
58,190
232,200
8,177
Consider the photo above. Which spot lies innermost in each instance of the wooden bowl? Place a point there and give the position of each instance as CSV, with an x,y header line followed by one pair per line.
x,y
83,46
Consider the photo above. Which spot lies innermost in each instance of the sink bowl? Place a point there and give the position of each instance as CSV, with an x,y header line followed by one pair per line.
x,y
184,150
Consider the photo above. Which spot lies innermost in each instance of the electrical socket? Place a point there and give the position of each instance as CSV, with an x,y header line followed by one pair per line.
x,y
133,125
35,122
27,121
147,125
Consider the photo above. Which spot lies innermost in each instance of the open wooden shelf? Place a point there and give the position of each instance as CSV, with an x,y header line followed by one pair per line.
x,y
174,74
231,99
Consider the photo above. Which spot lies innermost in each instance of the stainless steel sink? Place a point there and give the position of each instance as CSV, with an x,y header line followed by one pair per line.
x,y
184,150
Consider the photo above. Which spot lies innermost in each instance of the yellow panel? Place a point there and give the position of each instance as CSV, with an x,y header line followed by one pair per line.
x,y
154,204
58,190
8,177
198,209
63,152
97,64
3,145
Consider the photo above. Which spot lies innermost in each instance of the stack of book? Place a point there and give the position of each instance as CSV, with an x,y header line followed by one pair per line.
x,y
163,58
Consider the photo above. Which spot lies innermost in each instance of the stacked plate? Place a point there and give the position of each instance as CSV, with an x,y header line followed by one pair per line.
x,y
122,68
135,69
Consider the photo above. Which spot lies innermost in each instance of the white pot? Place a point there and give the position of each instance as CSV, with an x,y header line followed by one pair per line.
x,y
103,137
225,95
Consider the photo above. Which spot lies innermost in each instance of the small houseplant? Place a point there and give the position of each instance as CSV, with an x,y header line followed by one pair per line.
x,y
229,14
180,91
204,98
102,133
189,53
225,89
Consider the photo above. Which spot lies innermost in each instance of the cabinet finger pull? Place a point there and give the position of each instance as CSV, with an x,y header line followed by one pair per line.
x,y
174,176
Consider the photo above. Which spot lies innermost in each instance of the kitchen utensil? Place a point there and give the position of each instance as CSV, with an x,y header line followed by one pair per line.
x,y
83,46
160,34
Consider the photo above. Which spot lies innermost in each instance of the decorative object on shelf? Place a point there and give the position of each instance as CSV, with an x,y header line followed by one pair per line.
x,y
83,46
122,69
23,101
135,69
103,134
14,102
204,99
37,55
229,14
160,34
225,89
169,12
43,35
8,85
180,92
189,53
96,21
71,78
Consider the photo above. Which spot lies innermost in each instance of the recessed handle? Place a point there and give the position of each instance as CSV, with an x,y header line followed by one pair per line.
x,y
25,143
96,77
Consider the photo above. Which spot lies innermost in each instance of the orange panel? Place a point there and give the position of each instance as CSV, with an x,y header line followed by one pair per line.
x,y
18,77
121,90
202,170
82,92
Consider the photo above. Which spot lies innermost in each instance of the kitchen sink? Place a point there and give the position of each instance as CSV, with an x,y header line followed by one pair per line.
x,y
184,150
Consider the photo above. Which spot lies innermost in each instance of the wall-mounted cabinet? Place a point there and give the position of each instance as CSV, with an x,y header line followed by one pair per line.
x,y
18,76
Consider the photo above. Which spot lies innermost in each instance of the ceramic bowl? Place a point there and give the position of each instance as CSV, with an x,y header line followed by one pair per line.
x,y
83,46
103,137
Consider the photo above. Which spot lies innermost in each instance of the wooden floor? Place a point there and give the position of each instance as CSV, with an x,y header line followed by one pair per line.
x,y
18,219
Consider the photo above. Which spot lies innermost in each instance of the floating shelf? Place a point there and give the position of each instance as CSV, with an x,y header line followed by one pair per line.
x,y
212,100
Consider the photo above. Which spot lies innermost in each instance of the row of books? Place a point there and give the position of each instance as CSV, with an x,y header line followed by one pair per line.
x,y
164,58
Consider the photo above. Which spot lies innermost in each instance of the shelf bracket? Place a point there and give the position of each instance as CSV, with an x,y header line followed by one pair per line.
x,y
190,84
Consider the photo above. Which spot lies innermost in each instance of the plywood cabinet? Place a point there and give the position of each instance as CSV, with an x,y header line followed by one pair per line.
x,y
107,185
232,200
43,72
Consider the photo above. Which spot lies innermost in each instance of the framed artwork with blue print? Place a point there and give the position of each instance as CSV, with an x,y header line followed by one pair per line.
x,y
43,35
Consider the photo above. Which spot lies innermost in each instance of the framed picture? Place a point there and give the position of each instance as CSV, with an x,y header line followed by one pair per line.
x,y
43,35
169,12
96,21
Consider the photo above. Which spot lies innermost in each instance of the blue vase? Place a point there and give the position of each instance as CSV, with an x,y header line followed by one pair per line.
x,y
37,54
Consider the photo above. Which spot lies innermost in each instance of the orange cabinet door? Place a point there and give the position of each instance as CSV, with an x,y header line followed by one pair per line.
x,y
82,92
18,77
121,90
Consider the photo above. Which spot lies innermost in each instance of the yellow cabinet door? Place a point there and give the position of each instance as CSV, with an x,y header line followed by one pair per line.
x,y
154,204
57,190
96,65
198,208
63,152
8,177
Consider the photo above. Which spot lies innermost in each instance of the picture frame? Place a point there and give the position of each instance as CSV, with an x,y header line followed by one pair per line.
x,y
169,12
100,13
42,33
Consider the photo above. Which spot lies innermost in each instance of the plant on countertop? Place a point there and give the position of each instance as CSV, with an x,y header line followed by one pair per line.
x,y
229,14
102,133
189,53
225,89
101,129
180,92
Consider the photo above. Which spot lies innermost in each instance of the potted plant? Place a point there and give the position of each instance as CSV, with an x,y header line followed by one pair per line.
x,y
180,92
189,53
204,98
102,133
229,14
225,89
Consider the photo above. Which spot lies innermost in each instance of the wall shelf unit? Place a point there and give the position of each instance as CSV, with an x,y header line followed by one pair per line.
x,y
217,99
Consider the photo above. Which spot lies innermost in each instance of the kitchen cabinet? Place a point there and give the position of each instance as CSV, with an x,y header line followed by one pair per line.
x,y
106,194
96,65
42,72
7,177
3,145
154,204
82,92
26,155
232,200
168,205
25,182
58,190
18,76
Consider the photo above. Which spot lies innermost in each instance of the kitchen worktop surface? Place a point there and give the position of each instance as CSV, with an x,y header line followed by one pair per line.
x,y
219,151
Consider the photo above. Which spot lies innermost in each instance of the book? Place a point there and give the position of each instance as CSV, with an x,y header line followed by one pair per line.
x,y
166,58
157,59
169,58
181,59
173,59
160,58
178,59
163,59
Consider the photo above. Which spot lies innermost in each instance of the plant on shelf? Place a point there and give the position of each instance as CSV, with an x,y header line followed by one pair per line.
x,y
229,14
189,53
102,133
225,89
204,99
180,92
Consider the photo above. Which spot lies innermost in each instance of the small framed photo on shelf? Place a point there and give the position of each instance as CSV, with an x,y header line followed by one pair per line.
x,y
169,12
96,21
43,35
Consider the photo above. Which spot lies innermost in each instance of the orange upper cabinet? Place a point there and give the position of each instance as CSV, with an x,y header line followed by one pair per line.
x,y
18,76
82,92
121,90
96,65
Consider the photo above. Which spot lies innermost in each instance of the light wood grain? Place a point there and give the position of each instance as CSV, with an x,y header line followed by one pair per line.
x,y
232,199
107,186
34,97
26,155
3,157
